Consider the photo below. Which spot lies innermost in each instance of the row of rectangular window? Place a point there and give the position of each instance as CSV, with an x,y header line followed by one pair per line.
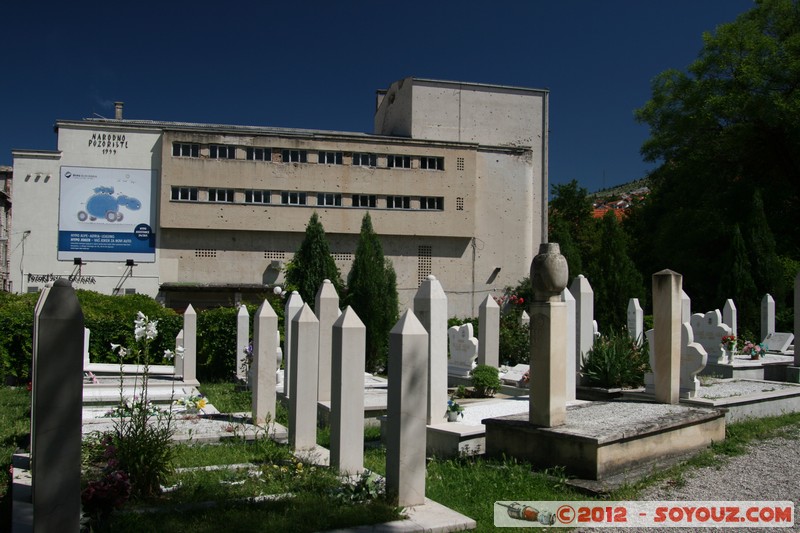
x,y
219,151
255,196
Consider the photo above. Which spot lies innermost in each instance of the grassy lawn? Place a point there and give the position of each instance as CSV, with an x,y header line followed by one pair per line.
x,y
248,499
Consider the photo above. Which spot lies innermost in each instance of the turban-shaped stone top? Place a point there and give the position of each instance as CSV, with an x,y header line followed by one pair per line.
x,y
549,272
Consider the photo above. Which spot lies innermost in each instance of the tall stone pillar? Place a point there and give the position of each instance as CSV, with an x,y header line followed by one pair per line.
x,y
548,377
294,303
667,335
767,316
265,345
730,316
190,346
327,310
584,318
489,332
572,370
56,409
303,380
430,308
347,393
242,340
406,412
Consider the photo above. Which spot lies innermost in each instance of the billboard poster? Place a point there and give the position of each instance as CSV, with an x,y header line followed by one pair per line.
x,y
106,214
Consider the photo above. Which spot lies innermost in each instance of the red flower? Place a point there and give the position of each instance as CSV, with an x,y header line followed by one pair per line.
x,y
30,386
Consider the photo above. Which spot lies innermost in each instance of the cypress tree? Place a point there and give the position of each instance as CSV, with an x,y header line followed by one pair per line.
x,y
372,293
613,275
312,264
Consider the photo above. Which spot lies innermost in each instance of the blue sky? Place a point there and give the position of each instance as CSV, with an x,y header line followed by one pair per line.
x,y
315,64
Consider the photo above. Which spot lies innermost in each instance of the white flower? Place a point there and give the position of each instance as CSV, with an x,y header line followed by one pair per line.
x,y
150,330
114,347
138,332
179,350
169,355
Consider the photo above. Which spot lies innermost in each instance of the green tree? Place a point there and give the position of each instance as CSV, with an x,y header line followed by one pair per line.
x,y
723,130
372,293
570,220
312,264
613,275
737,283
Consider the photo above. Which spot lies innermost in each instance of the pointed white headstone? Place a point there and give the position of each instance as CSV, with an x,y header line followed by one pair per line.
x,y
430,308
327,311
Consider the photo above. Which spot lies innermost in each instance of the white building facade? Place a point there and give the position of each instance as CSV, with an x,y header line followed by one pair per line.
x,y
454,178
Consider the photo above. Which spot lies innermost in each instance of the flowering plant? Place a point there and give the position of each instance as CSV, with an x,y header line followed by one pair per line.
x,y
511,299
454,407
195,401
730,342
142,432
755,351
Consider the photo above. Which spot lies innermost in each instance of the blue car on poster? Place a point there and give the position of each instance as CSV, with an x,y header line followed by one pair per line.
x,y
103,204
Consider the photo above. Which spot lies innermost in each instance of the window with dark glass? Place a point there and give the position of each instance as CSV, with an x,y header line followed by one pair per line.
x,y
294,156
364,200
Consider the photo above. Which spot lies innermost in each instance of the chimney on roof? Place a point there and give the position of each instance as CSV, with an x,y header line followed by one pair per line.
x,y
118,110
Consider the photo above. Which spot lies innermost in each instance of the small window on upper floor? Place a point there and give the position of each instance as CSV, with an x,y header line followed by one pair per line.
x,y
398,202
185,150
295,156
432,163
259,154
220,195
221,151
365,160
329,199
330,158
399,161
257,197
431,202
188,194
364,200
293,198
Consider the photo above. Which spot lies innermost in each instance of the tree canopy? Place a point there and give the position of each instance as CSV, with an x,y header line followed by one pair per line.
x,y
312,264
726,134
372,293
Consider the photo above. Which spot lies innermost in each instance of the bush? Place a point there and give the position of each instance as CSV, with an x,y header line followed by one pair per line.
x,y
615,360
515,340
485,381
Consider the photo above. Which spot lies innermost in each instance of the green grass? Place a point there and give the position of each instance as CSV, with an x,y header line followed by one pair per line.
x,y
467,485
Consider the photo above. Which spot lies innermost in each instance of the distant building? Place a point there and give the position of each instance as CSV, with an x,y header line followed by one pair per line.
x,y
454,178
5,222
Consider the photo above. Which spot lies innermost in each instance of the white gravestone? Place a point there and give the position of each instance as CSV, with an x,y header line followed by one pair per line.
x,y
430,308
649,377
767,316
489,326
686,307
778,342
730,316
708,331
515,376
463,350
693,361
572,370
242,341
635,321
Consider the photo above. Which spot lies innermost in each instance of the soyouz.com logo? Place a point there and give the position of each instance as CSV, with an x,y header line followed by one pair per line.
x,y
750,514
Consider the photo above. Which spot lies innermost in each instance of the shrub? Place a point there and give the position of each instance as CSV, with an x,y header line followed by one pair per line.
x,y
615,360
141,437
515,340
485,381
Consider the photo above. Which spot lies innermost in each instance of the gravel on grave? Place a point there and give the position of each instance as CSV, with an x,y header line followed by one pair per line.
x,y
729,388
769,471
